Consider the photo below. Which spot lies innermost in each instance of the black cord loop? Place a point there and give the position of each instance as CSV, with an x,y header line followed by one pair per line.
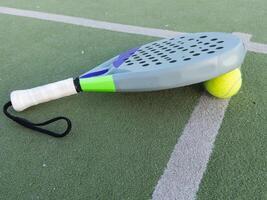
x,y
37,126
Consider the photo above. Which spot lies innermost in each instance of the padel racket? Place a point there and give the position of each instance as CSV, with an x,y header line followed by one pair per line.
x,y
167,63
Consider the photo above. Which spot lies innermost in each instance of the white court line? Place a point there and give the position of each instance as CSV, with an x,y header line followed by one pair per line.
x,y
251,46
190,157
89,23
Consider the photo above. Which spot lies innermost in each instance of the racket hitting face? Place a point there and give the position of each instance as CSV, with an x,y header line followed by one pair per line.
x,y
163,64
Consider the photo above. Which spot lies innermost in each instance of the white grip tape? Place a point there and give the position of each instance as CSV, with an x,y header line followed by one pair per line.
x,y
22,99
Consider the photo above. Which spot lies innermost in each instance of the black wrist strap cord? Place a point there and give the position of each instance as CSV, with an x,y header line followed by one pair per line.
x,y
37,126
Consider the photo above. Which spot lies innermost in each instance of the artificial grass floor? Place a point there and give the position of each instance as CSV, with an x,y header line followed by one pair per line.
x,y
120,143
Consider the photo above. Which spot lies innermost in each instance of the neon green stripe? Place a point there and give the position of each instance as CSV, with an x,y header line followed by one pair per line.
x,y
98,84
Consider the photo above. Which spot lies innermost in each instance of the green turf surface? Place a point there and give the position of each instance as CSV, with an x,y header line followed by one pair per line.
x,y
185,16
120,143
238,166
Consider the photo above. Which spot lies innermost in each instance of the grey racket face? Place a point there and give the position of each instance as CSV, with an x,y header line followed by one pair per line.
x,y
174,62
180,51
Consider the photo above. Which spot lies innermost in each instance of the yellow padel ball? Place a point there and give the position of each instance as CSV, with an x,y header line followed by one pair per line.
x,y
226,85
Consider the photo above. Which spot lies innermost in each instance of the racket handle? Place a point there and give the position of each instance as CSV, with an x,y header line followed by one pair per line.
x,y
22,99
